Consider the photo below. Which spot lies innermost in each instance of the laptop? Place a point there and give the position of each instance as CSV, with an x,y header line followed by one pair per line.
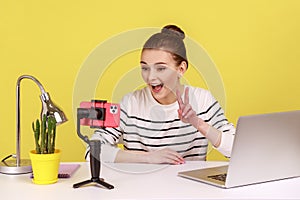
x,y
266,148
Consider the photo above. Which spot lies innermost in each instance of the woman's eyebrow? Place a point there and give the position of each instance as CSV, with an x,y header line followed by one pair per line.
x,y
158,63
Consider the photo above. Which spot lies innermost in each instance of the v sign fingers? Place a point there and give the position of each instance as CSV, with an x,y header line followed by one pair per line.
x,y
185,112
181,106
179,100
186,96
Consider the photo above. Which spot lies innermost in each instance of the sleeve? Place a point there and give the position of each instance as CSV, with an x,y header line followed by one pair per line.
x,y
110,137
216,118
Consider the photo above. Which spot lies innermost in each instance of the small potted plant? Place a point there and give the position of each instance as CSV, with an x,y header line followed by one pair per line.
x,y
45,158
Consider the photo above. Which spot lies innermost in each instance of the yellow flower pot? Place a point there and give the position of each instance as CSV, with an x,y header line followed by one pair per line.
x,y
45,167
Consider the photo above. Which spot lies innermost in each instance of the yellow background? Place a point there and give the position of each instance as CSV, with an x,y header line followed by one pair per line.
x,y
253,43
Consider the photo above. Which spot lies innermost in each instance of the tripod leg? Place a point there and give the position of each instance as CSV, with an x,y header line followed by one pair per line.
x,y
77,185
106,185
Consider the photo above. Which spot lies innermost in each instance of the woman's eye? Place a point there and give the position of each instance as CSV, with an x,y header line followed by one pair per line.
x,y
161,68
144,68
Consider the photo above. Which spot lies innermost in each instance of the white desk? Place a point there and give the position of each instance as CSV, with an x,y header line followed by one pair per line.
x,y
151,182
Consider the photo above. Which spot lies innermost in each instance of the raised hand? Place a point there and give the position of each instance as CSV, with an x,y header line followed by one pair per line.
x,y
187,114
185,111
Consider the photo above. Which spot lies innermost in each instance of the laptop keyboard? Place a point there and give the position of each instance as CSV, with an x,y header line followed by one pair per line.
x,y
219,177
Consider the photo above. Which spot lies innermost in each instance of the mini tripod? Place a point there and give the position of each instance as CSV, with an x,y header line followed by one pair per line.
x,y
95,149
95,166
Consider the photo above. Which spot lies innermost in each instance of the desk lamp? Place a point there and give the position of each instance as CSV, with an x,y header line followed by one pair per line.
x,y
18,166
96,114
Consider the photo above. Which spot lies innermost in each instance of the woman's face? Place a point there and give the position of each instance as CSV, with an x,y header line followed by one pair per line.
x,y
161,74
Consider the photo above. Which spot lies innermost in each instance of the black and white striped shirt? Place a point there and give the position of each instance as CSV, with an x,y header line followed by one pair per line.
x,y
146,125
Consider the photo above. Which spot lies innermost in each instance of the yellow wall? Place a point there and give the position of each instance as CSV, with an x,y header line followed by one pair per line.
x,y
253,43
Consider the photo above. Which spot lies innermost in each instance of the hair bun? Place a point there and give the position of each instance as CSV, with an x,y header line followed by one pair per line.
x,y
173,30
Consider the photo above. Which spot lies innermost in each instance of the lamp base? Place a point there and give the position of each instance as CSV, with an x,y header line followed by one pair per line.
x,y
10,167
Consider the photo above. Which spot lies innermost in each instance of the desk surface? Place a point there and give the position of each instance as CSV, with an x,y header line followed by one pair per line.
x,y
143,181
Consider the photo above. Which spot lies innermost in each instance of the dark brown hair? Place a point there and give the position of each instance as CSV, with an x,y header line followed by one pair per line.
x,y
170,39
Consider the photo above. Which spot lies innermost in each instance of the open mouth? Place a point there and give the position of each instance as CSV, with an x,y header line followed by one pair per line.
x,y
157,88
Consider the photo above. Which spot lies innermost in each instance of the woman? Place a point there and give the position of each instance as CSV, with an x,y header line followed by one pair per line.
x,y
166,122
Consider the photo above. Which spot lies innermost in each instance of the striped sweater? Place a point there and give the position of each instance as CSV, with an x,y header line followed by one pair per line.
x,y
146,125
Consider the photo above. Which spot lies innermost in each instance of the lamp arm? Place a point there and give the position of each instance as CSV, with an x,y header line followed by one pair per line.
x,y
32,78
18,158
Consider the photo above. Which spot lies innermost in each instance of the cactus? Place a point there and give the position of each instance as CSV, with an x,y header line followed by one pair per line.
x,y
45,135
37,133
